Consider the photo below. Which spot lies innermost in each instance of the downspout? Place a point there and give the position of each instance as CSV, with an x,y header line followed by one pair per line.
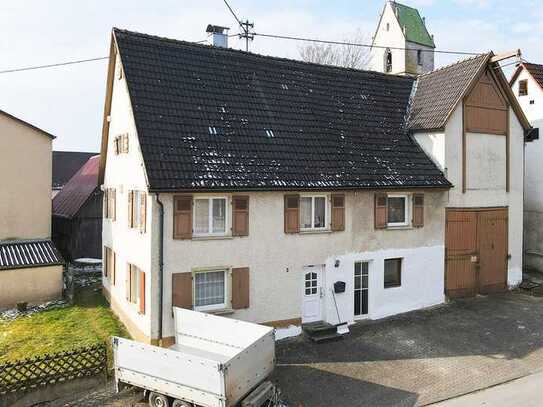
x,y
160,266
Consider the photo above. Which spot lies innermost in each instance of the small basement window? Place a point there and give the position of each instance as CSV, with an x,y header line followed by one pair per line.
x,y
523,87
210,216
398,210
313,212
393,273
210,290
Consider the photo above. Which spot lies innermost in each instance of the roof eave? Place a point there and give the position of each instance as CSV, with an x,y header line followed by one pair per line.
x,y
43,132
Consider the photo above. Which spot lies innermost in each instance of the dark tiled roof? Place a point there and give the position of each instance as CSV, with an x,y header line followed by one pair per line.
x,y
76,192
438,92
218,119
66,164
28,253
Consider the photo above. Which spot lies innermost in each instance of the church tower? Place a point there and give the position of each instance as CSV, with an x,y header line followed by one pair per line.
x,y
402,44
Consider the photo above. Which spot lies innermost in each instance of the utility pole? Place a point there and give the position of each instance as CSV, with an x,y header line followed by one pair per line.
x,y
248,35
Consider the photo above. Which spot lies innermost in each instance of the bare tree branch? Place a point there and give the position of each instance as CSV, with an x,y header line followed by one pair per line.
x,y
348,56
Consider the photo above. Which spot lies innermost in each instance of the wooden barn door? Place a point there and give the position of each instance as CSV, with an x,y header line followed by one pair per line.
x,y
476,251
460,253
492,240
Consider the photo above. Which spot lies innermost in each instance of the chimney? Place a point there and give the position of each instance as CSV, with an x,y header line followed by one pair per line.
x,y
220,35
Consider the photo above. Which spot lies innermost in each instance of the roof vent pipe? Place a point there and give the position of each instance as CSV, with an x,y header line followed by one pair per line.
x,y
220,35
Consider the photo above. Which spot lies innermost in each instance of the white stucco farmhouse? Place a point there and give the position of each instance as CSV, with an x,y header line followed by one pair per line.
x,y
283,192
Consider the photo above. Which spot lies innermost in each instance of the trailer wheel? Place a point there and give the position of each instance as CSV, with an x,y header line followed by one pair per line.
x,y
180,403
158,400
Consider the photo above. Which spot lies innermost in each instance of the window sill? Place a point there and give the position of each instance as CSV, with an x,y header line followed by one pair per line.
x,y
315,232
221,311
399,227
210,237
393,287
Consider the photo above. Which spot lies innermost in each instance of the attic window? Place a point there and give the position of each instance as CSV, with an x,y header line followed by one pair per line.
x,y
388,26
419,57
269,133
523,87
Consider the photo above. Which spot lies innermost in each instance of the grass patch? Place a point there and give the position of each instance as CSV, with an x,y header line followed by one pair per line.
x,y
87,322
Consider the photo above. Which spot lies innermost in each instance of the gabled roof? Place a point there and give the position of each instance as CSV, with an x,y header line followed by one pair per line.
x,y
66,164
415,29
535,70
16,254
27,124
212,118
77,191
438,92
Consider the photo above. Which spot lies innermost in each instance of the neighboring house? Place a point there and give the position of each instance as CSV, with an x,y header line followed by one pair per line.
x,y
65,165
527,85
402,44
77,214
30,266
256,186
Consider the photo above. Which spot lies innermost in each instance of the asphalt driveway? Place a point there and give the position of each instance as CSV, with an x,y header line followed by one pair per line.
x,y
417,358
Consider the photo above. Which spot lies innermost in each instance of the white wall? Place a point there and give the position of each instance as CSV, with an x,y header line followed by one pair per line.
x,y
422,282
126,172
533,181
486,159
394,38
276,260
433,144
496,195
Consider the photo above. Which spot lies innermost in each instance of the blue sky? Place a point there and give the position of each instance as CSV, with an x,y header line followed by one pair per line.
x,y
68,101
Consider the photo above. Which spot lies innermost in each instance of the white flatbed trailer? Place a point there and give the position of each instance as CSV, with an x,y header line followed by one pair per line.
x,y
215,362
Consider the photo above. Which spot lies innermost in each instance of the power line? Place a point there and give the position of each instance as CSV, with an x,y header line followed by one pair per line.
x,y
245,25
286,37
31,68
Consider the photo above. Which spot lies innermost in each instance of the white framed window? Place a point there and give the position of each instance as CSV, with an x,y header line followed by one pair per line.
x,y
210,290
398,210
393,273
210,216
314,212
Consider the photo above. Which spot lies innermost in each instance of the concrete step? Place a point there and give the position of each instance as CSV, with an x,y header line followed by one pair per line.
x,y
321,331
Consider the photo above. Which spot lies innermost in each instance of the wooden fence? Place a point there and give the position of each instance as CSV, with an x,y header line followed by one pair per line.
x,y
29,374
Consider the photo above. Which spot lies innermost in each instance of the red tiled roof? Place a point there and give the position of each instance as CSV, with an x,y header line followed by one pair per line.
x,y
78,189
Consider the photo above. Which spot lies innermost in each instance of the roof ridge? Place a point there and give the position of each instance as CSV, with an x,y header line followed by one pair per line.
x,y
17,241
254,54
452,64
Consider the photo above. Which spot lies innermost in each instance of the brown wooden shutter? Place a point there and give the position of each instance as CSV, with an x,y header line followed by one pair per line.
x,y
128,280
142,292
240,288
106,261
113,208
105,203
143,212
116,145
240,216
130,209
112,264
418,210
292,213
182,290
182,218
338,212
381,211
125,143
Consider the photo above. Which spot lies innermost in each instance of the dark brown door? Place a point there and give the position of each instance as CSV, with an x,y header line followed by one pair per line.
x,y
461,251
476,251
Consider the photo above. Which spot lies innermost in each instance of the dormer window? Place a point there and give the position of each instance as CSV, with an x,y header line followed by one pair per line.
x,y
523,87
388,61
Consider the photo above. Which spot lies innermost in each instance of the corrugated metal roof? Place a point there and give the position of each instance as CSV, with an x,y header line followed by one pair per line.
x,y
78,189
28,253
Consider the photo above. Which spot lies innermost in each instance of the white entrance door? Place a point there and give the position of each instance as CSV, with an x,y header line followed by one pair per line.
x,y
312,294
